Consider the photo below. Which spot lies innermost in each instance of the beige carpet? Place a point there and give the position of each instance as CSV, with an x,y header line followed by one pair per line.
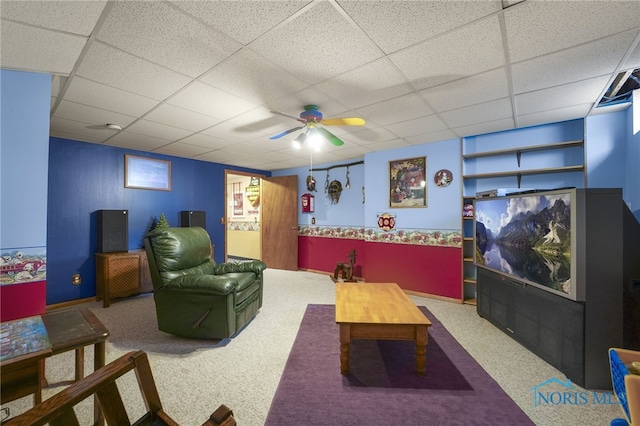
x,y
194,377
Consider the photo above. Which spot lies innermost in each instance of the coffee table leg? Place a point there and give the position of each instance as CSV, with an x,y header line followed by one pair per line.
x,y
421,349
345,340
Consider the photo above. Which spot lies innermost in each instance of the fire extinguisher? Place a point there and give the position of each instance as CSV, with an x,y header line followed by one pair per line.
x,y
308,203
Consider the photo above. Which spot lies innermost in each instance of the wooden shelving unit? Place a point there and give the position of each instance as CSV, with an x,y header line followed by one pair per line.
x,y
468,247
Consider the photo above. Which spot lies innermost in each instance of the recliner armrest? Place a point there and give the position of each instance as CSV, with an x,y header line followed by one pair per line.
x,y
255,266
210,284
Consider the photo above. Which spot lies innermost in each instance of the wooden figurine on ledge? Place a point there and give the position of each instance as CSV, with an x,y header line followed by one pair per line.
x,y
345,270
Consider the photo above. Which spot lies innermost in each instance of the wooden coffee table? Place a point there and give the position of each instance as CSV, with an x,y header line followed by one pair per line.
x,y
379,311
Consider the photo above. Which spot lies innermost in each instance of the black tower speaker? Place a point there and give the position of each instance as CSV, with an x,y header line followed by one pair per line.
x,y
193,218
113,231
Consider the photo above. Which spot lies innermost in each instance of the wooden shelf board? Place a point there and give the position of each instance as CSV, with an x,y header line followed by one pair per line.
x,y
467,259
468,238
531,148
473,302
469,281
525,172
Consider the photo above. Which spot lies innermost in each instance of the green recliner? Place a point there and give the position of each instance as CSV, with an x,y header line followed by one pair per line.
x,y
194,296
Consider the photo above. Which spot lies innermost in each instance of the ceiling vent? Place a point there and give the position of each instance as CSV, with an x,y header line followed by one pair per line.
x,y
620,90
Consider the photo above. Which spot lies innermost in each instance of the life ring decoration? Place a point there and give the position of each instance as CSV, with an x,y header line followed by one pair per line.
x,y
443,178
386,221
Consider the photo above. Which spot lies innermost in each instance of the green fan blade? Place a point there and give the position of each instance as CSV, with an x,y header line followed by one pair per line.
x,y
330,136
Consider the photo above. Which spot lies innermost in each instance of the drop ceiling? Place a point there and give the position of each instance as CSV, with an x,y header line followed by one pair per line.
x,y
199,79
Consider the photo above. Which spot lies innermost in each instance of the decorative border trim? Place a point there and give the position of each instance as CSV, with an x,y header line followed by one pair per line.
x,y
243,226
423,237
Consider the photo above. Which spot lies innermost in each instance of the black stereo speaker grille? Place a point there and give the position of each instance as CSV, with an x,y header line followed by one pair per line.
x,y
193,218
113,231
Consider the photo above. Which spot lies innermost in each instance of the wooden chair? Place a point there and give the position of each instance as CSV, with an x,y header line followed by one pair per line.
x,y
58,410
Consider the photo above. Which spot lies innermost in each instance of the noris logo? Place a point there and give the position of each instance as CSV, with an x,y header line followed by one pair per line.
x,y
547,393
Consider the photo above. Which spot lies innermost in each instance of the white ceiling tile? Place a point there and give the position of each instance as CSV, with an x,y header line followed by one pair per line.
x,y
182,149
113,67
417,126
330,51
242,20
395,110
571,65
431,137
261,120
250,76
389,144
206,141
164,35
567,95
552,116
536,28
65,125
202,98
633,61
230,132
395,25
109,98
483,87
88,114
374,82
137,141
485,127
371,134
35,49
77,17
179,117
461,53
77,136
157,130
488,111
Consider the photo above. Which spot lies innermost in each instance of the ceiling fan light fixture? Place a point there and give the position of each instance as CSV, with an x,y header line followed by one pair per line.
x,y
299,140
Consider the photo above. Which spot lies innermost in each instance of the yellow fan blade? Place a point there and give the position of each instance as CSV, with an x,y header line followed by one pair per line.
x,y
343,122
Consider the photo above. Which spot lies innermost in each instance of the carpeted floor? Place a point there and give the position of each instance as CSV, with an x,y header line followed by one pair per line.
x,y
194,377
382,387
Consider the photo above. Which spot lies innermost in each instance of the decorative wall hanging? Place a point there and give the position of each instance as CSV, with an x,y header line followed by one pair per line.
x,y
334,190
147,173
347,184
311,183
238,202
407,185
443,178
253,192
387,221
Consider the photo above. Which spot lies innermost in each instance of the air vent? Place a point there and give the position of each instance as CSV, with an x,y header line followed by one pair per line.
x,y
621,88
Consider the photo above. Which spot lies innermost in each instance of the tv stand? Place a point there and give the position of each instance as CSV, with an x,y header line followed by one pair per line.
x,y
574,335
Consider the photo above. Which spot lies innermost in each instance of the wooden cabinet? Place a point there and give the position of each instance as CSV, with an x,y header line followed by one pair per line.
x,y
122,274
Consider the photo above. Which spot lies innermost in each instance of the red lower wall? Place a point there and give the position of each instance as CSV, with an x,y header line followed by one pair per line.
x,y
22,300
425,269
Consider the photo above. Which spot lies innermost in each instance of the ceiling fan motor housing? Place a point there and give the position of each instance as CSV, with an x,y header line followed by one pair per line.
x,y
311,113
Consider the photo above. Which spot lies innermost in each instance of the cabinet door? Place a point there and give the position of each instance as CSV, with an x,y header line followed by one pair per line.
x,y
122,275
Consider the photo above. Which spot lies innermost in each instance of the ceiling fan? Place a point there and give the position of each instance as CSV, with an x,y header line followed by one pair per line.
x,y
311,117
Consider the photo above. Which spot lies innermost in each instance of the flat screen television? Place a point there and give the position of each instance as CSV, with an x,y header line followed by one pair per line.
x,y
531,238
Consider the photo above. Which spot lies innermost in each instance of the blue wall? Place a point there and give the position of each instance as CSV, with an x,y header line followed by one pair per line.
x,y
85,178
24,152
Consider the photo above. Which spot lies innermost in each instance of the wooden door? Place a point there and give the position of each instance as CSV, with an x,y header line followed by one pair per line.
x,y
279,222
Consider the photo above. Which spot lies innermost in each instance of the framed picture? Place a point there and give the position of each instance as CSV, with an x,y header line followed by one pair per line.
x,y
407,182
147,173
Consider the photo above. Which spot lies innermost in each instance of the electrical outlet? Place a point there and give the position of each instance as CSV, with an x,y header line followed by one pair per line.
x,y
76,279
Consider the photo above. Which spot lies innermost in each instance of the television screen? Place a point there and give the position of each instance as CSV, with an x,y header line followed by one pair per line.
x,y
528,237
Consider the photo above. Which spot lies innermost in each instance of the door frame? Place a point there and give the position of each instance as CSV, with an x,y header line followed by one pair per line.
x,y
227,214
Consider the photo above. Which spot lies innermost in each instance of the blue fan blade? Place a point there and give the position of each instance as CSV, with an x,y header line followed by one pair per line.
x,y
286,132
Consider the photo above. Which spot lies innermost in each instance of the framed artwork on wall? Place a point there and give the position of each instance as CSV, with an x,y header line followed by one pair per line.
x,y
407,182
147,173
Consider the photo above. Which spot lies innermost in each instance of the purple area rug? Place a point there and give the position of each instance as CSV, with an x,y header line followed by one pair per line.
x,y
382,387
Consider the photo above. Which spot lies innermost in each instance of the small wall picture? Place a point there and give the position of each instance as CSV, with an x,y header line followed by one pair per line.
x,y
147,173
407,182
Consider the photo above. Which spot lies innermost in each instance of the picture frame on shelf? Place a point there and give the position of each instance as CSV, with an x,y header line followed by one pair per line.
x,y
407,183
147,173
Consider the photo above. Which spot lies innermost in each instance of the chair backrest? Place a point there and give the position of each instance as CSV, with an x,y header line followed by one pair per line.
x,y
58,410
177,251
